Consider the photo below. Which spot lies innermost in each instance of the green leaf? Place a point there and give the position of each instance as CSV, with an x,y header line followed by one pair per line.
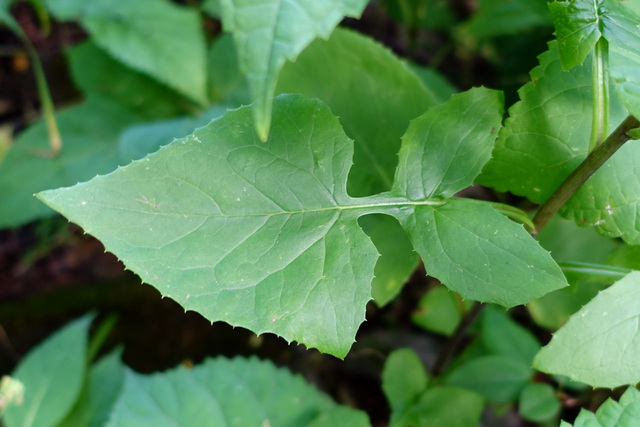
x,y
599,344
226,83
237,392
52,374
479,253
397,258
268,33
23,172
140,139
538,403
502,336
625,72
555,308
266,234
429,14
504,17
95,72
444,407
545,139
610,199
625,413
439,311
363,67
374,94
101,390
496,378
156,37
447,158
580,23
404,378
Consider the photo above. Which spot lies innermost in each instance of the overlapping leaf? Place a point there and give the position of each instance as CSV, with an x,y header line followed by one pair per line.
x,y
237,392
156,37
95,72
600,343
342,72
267,33
545,139
264,235
581,23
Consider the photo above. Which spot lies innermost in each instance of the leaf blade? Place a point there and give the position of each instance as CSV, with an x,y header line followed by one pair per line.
x,y
268,33
260,237
598,344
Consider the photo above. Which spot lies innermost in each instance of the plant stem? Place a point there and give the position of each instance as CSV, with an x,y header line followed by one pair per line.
x,y
594,160
452,344
600,85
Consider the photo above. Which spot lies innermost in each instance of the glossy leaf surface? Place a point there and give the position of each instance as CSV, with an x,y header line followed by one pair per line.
x,y
599,344
222,392
268,33
267,238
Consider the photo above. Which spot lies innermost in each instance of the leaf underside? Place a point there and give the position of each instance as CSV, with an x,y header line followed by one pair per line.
x,y
265,236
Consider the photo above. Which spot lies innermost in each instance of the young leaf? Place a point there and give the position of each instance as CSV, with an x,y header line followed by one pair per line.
x,y
101,390
444,407
501,335
538,403
237,392
23,172
439,310
599,344
265,234
268,33
52,375
156,37
496,378
404,378
625,413
580,23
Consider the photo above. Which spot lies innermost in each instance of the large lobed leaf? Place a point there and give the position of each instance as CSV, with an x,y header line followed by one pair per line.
x,y
267,33
242,231
265,236
599,344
